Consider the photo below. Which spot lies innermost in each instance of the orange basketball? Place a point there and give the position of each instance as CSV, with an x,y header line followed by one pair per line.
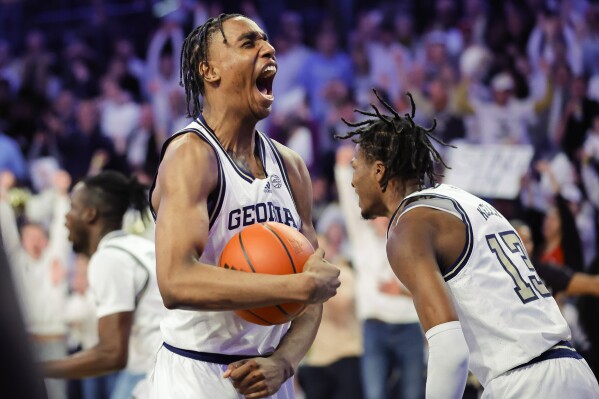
x,y
270,248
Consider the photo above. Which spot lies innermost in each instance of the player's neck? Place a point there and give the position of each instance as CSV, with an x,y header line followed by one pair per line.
x,y
396,192
96,236
236,134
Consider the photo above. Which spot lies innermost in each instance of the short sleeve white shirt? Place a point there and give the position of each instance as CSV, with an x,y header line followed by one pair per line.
x,y
119,270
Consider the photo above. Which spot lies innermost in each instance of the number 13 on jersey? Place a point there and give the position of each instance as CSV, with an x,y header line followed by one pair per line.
x,y
527,292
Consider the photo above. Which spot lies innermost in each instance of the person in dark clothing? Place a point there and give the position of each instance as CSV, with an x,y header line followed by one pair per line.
x,y
577,119
86,150
19,377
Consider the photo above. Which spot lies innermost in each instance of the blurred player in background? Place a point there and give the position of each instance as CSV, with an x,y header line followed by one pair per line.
x,y
122,278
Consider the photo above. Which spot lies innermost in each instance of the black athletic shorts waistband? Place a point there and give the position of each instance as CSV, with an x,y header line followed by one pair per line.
x,y
559,350
217,358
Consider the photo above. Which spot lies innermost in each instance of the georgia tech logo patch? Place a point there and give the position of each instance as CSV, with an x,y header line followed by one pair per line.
x,y
276,181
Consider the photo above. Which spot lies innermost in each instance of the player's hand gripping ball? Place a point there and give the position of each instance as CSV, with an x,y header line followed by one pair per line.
x,y
270,248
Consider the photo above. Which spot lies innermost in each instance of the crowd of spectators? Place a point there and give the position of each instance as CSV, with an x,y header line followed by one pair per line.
x,y
88,89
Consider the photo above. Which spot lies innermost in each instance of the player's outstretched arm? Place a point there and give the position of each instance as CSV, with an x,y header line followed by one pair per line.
x,y
187,175
110,354
583,284
412,252
260,378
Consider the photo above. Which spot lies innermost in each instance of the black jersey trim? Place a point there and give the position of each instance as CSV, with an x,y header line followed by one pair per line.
x,y
244,174
464,257
216,197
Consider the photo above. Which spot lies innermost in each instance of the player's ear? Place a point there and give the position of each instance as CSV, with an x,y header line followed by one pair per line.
x,y
208,72
90,214
379,170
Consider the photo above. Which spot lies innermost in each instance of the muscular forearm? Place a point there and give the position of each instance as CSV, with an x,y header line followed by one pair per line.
x,y
205,287
299,338
92,362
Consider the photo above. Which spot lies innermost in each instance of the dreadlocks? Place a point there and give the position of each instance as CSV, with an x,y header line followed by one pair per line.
x,y
194,53
402,145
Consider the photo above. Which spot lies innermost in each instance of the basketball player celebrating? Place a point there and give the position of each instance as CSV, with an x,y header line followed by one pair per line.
x,y
122,278
477,295
217,176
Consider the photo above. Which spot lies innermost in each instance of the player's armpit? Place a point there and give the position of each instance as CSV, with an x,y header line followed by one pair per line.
x,y
413,257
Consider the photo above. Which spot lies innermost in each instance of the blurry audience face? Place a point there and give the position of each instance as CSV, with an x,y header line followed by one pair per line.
x,y
579,88
438,95
291,27
502,97
78,219
65,103
562,74
123,48
365,181
436,53
319,188
552,224
166,66
35,41
34,240
326,42
146,117
87,116
235,70
526,236
117,68
404,27
110,89
360,59
335,234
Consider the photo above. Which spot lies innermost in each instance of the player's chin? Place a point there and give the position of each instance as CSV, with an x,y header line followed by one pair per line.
x,y
261,111
262,106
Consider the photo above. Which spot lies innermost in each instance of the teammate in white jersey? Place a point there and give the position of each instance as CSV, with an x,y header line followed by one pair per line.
x,y
122,278
217,176
477,295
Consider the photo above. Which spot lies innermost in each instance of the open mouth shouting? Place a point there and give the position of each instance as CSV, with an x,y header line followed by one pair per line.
x,y
265,80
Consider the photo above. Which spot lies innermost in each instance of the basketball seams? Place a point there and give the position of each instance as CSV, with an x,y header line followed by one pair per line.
x,y
257,316
261,241
283,244
245,254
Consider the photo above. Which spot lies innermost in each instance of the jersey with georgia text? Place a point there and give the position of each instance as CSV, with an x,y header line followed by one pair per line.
x,y
507,315
239,200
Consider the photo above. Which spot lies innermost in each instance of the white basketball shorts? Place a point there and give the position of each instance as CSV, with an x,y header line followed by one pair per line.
x,y
559,378
179,377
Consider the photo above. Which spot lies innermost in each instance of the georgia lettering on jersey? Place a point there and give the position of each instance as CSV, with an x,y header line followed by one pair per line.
x,y
259,213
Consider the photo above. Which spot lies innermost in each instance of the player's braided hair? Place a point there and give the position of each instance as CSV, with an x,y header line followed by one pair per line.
x,y
113,194
403,146
193,53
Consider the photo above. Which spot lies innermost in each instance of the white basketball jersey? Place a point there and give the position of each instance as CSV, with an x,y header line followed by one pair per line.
x,y
507,315
140,254
239,200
